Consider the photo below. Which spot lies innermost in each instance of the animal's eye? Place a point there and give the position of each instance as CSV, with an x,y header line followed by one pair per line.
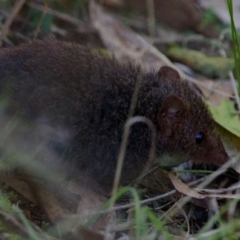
x,y
199,137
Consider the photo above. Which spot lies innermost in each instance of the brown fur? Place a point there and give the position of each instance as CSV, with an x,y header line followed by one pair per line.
x,y
84,99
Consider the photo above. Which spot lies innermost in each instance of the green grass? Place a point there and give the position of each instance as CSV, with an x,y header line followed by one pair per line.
x,y
235,42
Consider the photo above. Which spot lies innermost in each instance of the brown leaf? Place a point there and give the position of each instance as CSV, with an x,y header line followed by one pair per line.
x,y
91,202
124,42
19,186
183,188
214,91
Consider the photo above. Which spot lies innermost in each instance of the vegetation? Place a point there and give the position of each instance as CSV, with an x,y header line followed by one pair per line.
x,y
204,205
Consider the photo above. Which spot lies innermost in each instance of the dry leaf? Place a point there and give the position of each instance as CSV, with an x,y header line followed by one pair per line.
x,y
19,186
123,42
214,91
183,188
91,202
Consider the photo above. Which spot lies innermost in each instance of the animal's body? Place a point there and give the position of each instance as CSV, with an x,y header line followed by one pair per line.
x,y
85,99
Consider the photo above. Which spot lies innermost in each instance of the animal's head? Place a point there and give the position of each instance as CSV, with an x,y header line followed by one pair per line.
x,y
186,127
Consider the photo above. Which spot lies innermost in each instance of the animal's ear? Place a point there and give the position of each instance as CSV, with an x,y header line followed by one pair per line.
x,y
168,72
172,112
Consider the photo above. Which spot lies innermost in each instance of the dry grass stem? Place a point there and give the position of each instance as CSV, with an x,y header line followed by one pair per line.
x,y
6,27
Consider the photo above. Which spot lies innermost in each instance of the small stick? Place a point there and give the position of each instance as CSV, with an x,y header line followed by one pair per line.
x,y
44,11
6,27
151,17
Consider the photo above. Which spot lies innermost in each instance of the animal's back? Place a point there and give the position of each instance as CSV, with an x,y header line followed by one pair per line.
x,y
58,77
70,89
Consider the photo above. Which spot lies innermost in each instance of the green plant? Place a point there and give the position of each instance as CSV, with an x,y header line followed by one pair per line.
x,y
236,43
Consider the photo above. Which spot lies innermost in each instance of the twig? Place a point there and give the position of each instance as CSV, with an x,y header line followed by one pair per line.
x,y
13,224
150,200
197,82
18,228
126,132
81,25
44,11
210,178
151,17
6,27
232,188
204,181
